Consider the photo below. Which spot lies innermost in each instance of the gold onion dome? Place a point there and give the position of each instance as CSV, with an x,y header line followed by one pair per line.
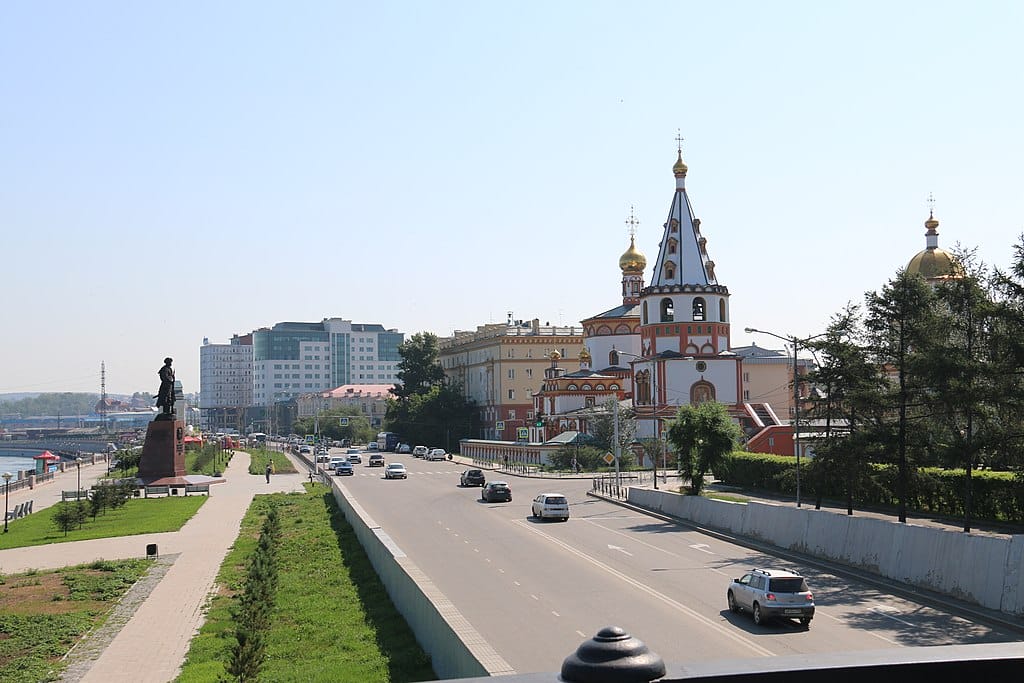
x,y
933,263
555,355
632,260
679,168
585,355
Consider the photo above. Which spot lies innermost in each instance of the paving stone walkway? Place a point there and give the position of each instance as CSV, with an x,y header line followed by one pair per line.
x,y
152,643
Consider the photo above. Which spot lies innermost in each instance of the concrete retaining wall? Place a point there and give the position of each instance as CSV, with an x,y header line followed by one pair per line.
x,y
980,569
455,648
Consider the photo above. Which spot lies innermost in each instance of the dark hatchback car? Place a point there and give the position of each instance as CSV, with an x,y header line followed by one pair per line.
x,y
496,492
471,478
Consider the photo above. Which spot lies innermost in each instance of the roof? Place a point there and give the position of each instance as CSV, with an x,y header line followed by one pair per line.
x,y
623,311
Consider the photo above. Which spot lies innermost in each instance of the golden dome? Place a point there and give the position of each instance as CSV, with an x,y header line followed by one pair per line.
x,y
632,261
585,355
679,168
935,264
555,355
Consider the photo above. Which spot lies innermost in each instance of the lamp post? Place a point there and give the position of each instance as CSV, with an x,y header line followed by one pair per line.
x,y
78,465
795,341
7,495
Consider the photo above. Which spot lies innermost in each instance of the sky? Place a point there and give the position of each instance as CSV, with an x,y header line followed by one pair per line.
x,y
171,172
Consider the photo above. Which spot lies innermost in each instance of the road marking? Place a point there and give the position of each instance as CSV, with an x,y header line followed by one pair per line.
x,y
703,547
620,549
517,583
555,613
582,634
534,597
884,611
752,646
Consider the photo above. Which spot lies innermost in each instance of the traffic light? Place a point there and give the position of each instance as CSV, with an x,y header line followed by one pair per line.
x,y
539,423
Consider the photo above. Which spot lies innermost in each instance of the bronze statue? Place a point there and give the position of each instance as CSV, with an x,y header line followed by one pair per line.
x,y
165,396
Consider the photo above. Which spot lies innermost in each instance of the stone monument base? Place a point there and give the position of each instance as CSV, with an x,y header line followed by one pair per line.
x,y
163,453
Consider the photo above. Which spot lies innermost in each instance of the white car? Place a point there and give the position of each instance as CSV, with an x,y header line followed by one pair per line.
x,y
355,458
335,461
403,448
551,506
437,454
395,470
420,451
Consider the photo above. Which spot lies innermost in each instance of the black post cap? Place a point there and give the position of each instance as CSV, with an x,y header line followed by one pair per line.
x,y
612,656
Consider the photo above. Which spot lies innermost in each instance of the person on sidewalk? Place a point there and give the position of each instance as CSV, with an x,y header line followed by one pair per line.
x,y
269,469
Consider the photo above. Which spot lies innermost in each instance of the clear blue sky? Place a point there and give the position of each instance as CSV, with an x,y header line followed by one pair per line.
x,y
174,171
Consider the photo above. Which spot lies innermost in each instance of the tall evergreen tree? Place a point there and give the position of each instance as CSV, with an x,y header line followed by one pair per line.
x,y
900,319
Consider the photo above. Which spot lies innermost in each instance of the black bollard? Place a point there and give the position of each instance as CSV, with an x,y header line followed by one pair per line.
x,y
612,656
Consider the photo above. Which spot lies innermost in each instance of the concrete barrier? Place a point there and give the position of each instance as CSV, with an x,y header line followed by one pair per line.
x,y
456,649
979,569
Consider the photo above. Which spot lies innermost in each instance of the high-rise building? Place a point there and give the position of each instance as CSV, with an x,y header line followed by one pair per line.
x,y
294,358
225,383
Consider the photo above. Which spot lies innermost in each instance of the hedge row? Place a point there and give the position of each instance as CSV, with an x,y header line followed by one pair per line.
x,y
997,496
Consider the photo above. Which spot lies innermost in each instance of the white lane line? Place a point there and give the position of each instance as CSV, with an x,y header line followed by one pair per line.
x,y
517,583
620,549
885,610
702,547
534,597
582,634
752,646
555,613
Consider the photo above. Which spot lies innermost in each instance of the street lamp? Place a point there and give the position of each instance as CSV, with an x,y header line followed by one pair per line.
x,y
795,341
7,495
78,464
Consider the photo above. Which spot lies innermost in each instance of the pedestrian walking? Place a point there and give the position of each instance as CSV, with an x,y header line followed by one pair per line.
x,y
269,470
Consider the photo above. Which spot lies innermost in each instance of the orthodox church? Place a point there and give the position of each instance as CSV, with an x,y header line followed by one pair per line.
x,y
933,263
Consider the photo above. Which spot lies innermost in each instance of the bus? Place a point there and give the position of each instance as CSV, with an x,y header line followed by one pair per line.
x,y
387,441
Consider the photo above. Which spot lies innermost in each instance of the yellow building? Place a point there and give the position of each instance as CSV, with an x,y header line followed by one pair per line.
x,y
500,367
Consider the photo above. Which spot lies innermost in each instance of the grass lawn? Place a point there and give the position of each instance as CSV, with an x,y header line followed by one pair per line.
x,y
43,614
138,516
332,619
259,457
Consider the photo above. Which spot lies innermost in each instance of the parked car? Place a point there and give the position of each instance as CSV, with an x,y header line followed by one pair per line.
x,y
403,448
551,506
344,468
376,460
355,458
472,478
436,454
420,451
496,492
771,594
395,470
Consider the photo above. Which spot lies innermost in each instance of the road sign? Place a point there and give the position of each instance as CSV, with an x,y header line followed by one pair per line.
x,y
522,433
609,458
499,425
343,421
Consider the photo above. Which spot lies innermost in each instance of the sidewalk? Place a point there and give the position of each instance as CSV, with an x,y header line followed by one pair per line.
x,y
152,645
48,493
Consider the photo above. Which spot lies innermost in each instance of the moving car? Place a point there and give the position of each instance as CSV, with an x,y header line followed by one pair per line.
x,y
551,506
395,470
420,451
335,461
403,448
496,492
352,450
355,458
343,469
437,454
376,460
472,478
771,594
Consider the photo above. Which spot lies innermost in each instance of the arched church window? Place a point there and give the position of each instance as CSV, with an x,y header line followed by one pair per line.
x,y
572,387
672,244
721,311
643,387
613,358
699,308
644,312
673,225
667,310
670,271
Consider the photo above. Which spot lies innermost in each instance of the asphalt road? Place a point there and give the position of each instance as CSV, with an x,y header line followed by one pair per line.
x,y
535,590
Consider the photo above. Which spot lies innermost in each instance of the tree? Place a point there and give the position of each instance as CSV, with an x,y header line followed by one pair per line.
x,y
68,515
849,391
602,427
419,370
440,416
899,321
702,435
358,429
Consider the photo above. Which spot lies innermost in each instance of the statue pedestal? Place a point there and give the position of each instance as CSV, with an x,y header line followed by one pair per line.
x,y
163,453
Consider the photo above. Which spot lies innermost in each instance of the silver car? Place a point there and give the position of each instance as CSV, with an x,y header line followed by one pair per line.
x,y
770,594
